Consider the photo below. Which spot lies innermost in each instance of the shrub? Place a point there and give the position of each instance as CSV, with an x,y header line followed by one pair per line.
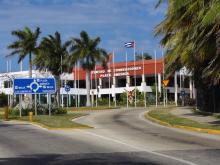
x,y
103,101
60,111
41,110
13,112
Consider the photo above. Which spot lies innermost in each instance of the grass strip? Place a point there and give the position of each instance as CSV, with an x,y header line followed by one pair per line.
x,y
54,121
90,108
165,116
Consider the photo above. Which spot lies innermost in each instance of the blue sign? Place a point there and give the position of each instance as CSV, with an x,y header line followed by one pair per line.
x,y
34,85
67,88
183,93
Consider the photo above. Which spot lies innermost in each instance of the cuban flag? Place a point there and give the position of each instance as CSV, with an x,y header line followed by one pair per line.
x,y
129,44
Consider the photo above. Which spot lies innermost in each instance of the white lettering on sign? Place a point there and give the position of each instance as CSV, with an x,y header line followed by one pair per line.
x,y
104,74
122,74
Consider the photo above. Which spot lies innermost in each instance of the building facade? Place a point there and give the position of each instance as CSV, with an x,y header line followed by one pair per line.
x,y
120,77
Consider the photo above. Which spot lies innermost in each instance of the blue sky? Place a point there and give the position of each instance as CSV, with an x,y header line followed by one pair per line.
x,y
115,21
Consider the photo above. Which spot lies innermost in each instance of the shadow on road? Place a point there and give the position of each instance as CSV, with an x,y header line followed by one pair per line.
x,y
130,158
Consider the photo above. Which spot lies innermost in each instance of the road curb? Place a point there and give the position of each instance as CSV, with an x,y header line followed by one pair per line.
x,y
203,130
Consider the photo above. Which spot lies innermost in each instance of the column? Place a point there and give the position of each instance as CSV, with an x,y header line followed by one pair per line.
x,y
143,83
176,87
194,91
159,82
128,81
99,87
113,87
190,87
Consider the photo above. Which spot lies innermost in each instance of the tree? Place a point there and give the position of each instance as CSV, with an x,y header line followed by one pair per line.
x,y
53,55
146,56
191,34
86,51
26,44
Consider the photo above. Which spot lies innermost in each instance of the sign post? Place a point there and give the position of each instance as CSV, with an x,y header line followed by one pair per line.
x,y
165,84
183,97
33,86
67,89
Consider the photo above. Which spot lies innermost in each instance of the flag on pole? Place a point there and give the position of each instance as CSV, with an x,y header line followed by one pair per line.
x,y
132,45
129,44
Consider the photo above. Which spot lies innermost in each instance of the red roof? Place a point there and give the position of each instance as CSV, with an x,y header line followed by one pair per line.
x,y
120,69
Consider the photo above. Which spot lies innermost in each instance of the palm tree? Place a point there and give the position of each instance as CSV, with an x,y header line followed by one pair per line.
x,y
26,44
146,56
86,51
191,33
53,56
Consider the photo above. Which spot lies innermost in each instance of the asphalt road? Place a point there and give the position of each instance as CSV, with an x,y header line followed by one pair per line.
x,y
119,137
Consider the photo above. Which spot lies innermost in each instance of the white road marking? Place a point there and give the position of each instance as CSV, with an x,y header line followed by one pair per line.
x,y
137,148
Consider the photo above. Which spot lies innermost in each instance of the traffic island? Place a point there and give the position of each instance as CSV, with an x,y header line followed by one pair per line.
x,y
54,122
164,117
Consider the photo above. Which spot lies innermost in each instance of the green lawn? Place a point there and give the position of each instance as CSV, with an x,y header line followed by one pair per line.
x,y
165,116
54,121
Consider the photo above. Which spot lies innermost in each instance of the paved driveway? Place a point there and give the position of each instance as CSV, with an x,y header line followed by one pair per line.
x,y
119,137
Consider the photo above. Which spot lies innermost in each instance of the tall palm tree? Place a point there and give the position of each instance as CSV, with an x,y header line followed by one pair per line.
x,y
53,56
191,33
26,44
86,51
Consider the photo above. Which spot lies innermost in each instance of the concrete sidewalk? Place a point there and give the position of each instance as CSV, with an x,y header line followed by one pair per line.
x,y
186,112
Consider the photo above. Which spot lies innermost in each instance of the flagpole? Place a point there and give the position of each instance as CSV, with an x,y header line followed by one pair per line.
x,y
155,54
135,94
61,71
114,75
91,89
78,99
109,76
126,56
96,101
164,90
75,76
145,103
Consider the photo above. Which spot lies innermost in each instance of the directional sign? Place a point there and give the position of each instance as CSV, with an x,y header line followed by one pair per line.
x,y
183,93
67,88
166,82
34,85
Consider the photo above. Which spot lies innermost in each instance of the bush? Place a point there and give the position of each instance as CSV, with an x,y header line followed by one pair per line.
x,y
59,111
13,112
103,101
41,110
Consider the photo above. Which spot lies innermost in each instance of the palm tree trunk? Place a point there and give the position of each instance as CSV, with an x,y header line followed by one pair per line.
x,y
57,79
30,76
30,65
88,102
